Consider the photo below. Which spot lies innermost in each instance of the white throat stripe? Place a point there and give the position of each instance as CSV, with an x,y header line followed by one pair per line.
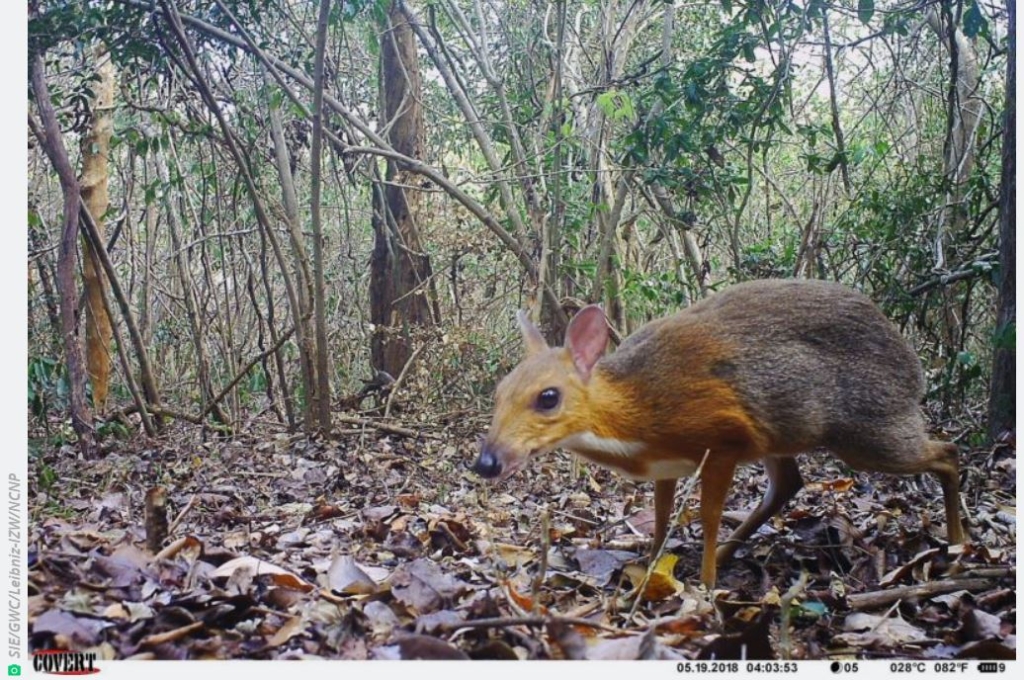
x,y
588,441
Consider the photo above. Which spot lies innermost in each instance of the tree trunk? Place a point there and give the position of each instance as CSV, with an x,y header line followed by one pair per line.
x,y
323,391
95,161
402,295
1002,397
50,139
963,112
303,278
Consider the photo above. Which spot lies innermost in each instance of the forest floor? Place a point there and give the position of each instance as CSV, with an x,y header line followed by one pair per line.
x,y
372,545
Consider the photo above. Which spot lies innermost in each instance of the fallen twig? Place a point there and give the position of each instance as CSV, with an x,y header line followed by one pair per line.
x,y
531,621
785,646
384,427
171,635
192,502
393,390
884,598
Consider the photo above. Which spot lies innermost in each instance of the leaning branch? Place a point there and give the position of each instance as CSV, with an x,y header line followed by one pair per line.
x,y
382,147
946,279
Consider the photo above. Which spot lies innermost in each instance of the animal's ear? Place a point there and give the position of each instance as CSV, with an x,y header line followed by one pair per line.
x,y
532,337
586,338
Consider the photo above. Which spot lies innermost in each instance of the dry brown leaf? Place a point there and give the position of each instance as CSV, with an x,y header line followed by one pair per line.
x,y
292,582
423,587
408,500
525,603
907,568
81,631
189,547
990,649
629,649
869,630
423,647
290,629
513,555
322,512
436,623
347,576
839,485
379,513
128,611
124,566
241,571
683,625
253,564
979,625
601,565
642,520
566,641
381,617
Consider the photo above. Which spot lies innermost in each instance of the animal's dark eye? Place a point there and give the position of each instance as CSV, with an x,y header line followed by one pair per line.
x,y
548,399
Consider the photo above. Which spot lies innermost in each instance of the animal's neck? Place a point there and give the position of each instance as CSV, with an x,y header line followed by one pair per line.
x,y
616,409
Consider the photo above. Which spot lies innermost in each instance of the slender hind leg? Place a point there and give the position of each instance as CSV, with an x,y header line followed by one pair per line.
x,y
943,460
783,483
903,448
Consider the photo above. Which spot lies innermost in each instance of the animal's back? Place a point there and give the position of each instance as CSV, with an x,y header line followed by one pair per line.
x,y
814,363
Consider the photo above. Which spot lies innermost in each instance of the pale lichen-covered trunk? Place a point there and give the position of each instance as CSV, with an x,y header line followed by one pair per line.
x,y
303,277
94,179
964,105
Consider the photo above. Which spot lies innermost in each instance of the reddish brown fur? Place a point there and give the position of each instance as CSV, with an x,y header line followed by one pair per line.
x,y
760,371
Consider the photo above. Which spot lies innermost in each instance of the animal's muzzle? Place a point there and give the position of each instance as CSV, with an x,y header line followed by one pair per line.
x,y
487,464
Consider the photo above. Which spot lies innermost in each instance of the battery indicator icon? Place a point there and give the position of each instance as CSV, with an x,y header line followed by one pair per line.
x,y
988,667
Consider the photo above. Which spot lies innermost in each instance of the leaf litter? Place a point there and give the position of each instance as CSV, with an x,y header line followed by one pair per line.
x,y
373,546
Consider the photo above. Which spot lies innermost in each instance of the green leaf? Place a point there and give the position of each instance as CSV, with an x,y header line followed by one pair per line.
x,y
974,21
615,105
812,610
727,6
606,102
1005,337
965,358
626,110
865,10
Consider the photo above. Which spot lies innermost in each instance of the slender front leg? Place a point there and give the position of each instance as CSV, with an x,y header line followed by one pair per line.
x,y
664,504
715,480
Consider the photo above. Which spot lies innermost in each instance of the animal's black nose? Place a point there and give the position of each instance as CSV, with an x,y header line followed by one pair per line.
x,y
487,464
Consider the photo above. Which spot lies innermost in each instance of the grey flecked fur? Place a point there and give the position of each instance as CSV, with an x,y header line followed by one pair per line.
x,y
815,363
